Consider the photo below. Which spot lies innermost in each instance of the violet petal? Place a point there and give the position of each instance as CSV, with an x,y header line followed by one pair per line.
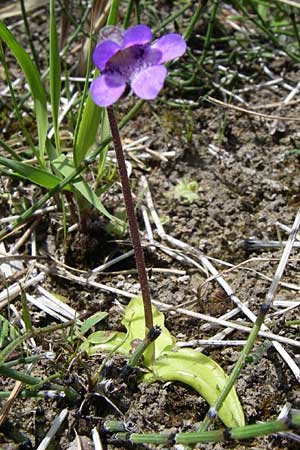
x,y
149,82
152,56
106,90
171,46
103,52
137,35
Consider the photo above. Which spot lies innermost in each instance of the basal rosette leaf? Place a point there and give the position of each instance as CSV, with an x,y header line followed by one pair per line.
x,y
106,341
134,321
202,374
171,363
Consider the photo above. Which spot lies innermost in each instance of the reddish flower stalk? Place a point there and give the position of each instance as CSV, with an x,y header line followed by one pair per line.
x,y
133,226
128,57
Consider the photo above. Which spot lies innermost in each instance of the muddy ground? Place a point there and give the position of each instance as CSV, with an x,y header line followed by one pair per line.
x,y
247,170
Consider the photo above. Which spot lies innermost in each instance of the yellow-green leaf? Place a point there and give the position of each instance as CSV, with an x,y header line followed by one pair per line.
x,y
204,375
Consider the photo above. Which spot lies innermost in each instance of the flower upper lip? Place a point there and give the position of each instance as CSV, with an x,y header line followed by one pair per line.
x,y
105,50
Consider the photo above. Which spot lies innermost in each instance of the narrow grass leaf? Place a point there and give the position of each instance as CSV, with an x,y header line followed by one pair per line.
x,y
35,84
25,311
7,332
105,134
64,167
113,13
88,118
87,130
16,108
51,149
34,174
11,346
9,150
92,321
55,72
83,188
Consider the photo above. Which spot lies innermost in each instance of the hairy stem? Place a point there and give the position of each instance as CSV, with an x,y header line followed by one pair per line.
x,y
133,226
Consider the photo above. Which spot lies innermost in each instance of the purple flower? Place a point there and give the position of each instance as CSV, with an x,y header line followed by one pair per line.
x,y
127,57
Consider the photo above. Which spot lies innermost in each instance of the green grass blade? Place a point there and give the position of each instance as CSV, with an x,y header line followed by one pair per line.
x,y
64,167
113,13
105,134
289,422
34,174
128,14
25,311
7,332
9,150
17,111
89,120
83,188
92,321
11,346
28,32
87,130
35,84
55,71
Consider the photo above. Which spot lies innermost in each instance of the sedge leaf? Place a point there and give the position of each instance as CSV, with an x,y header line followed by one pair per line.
x,y
88,118
9,150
